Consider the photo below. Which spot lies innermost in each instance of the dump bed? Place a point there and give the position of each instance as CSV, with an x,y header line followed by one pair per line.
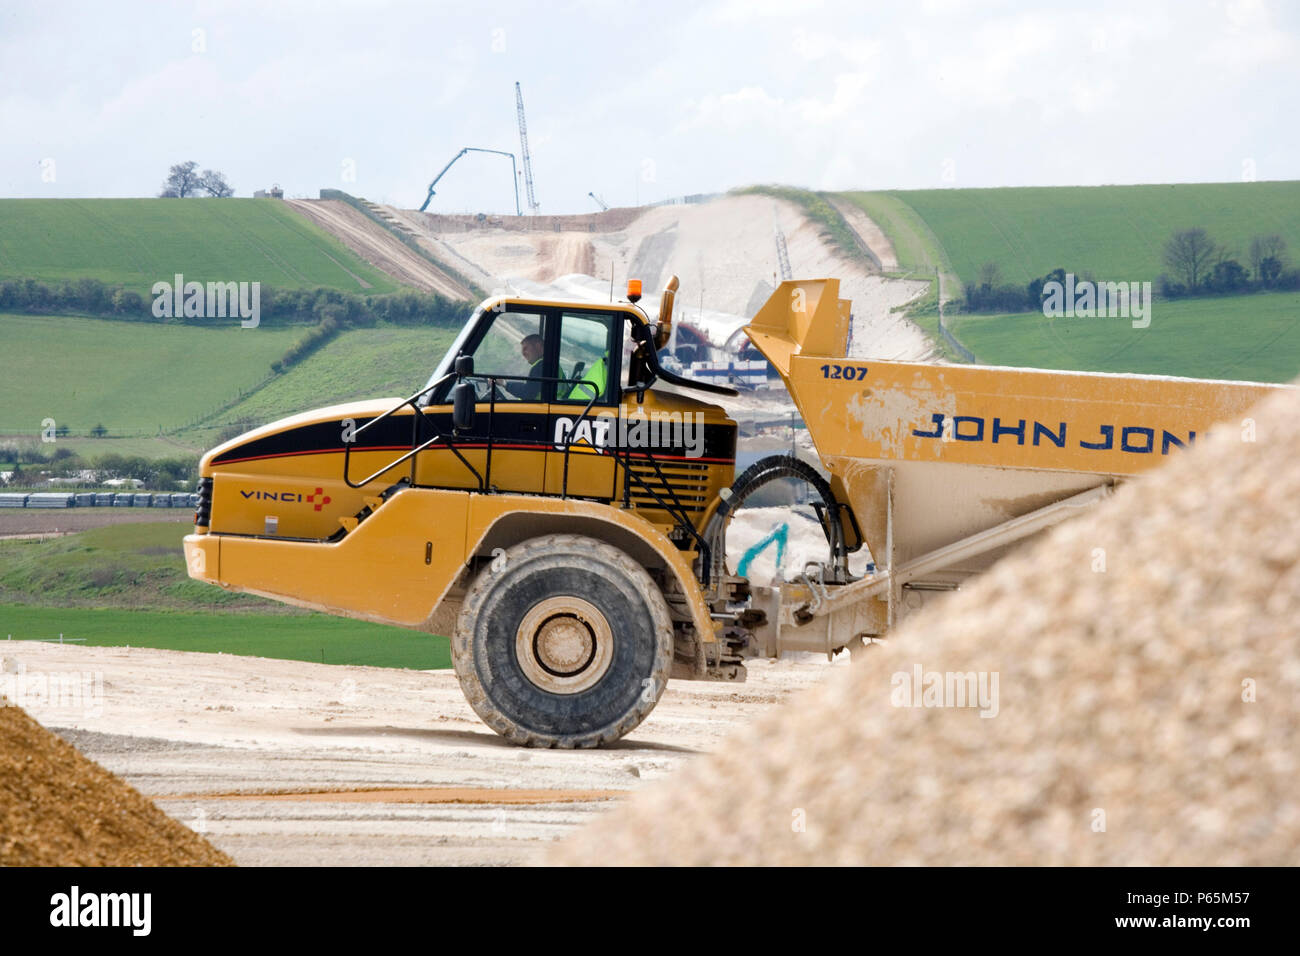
x,y
960,448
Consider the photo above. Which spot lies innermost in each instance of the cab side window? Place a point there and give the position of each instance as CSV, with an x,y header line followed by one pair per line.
x,y
586,357
513,345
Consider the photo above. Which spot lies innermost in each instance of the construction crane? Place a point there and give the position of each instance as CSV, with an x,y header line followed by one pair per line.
x,y
523,150
514,177
604,206
782,255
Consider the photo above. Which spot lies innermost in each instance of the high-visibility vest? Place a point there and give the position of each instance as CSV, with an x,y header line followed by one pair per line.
x,y
591,385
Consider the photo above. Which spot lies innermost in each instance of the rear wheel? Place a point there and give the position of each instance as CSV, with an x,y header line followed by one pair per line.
x,y
563,641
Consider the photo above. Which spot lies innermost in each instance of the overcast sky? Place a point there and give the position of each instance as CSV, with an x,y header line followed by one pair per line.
x,y
643,101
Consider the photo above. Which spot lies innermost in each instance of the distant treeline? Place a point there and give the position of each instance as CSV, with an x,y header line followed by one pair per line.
x,y
330,310
278,306
336,311
1197,266
35,462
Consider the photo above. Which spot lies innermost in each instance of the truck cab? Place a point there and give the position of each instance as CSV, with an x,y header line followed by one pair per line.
x,y
542,500
563,404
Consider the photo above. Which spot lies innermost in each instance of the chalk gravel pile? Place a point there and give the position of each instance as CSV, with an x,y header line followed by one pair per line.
x,y
58,808
1128,646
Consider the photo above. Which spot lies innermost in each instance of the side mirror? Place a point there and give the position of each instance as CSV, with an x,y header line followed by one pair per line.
x,y
666,313
464,365
463,397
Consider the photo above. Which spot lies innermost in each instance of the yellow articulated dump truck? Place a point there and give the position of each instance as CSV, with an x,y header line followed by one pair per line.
x,y
558,502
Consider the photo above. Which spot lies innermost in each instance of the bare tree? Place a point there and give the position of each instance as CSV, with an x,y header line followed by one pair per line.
x,y
181,181
215,184
1191,254
990,275
1268,257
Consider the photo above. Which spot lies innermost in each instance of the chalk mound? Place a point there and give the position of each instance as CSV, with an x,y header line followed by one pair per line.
x,y
1147,705
58,808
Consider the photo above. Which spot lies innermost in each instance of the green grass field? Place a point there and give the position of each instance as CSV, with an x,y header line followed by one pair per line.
x,y
312,637
915,245
137,378
123,565
171,446
1116,232
134,377
126,584
137,242
1248,337
360,363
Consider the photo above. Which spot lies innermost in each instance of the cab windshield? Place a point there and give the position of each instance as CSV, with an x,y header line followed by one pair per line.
x,y
538,352
447,364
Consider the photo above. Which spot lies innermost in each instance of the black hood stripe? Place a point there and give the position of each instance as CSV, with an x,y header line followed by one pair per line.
x,y
394,434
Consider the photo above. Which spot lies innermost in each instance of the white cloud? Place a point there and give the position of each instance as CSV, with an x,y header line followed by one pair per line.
x,y
741,109
719,94
1250,37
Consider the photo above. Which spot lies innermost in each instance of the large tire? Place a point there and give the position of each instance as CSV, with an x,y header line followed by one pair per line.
x,y
563,641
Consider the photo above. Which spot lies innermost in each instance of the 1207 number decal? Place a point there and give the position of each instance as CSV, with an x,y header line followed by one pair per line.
x,y
847,373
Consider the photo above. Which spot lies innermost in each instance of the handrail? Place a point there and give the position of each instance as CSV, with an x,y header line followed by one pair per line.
x,y
676,509
568,440
418,418
347,445
415,451
621,456
624,457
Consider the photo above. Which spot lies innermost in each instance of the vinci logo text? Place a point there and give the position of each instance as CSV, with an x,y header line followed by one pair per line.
x,y
317,498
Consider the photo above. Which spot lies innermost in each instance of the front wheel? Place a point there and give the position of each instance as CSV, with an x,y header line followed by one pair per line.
x,y
563,641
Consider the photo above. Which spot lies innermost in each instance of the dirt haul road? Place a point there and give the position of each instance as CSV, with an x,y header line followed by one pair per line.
x,y
724,252
402,771
379,247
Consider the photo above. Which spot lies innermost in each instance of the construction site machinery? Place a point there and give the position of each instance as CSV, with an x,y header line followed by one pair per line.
x,y
782,253
514,176
558,503
523,150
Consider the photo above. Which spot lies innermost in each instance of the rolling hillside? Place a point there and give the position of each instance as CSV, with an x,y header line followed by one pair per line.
x,y
169,385
361,363
137,242
138,379
1248,337
1116,232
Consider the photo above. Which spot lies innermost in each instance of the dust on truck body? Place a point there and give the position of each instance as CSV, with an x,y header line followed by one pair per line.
x,y
550,505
